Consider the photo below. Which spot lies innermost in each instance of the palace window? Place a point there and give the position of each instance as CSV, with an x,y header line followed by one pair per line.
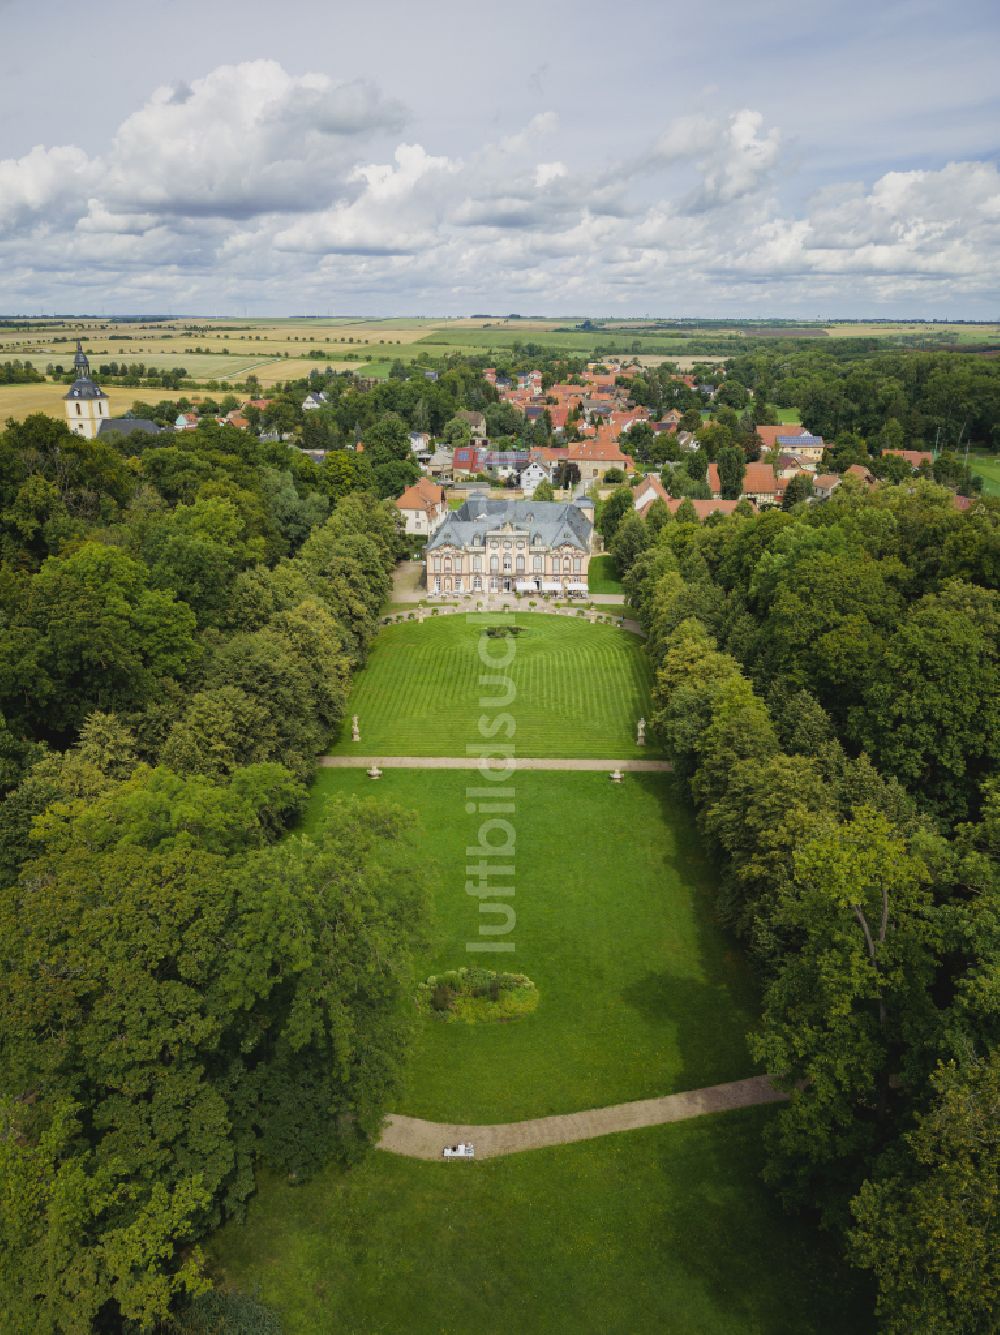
x,y
477,563
577,565
536,564
494,564
520,565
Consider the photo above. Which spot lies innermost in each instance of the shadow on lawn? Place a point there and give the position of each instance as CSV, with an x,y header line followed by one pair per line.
x,y
742,1248
711,1013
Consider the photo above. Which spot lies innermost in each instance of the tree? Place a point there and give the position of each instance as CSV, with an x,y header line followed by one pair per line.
x,y
631,538
798,488
855,919
92,635
926,1225
457,432
932,709
544,491
615,508
732,470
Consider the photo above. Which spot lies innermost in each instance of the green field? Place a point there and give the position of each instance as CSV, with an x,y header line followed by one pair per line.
x,y
790,415
987,466
667,1231
603,576
641,993
579,689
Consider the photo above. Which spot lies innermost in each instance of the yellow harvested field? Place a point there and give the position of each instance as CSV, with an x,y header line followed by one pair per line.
x,y
18,401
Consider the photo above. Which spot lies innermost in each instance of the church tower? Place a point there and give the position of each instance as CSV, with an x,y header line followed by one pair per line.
x,y
86,403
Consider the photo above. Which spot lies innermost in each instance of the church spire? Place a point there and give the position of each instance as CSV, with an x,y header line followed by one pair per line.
x,y
81,365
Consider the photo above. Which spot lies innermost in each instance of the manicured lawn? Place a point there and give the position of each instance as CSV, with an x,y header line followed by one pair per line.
x,y
579,689
790,415
987,466
667,1231
604,575
640,993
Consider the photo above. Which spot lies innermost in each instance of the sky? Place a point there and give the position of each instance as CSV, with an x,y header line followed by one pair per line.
x,y
757,160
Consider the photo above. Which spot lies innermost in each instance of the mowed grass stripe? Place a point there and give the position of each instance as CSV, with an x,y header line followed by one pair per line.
x,y
579,689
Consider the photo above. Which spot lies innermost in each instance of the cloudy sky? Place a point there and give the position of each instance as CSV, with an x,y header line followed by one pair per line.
x,y
764,158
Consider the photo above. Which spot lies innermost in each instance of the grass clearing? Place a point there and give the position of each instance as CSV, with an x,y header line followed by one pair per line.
x,y
579,688
987,466
603,575
666,1231
641,994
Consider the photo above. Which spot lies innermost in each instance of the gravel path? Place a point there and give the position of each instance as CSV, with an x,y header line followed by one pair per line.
x,y
495,762
417,1139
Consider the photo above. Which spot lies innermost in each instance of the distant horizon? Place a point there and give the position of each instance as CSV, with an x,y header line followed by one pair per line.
x,y
403,315
781,160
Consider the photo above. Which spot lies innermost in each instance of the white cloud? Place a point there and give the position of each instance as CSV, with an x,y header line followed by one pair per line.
x,y
46,181
296,189
244,140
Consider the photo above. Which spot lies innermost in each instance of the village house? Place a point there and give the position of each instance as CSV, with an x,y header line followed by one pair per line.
x,y
313,401
511,546
531,476
761,485
824,485
595,457
423,507
915,458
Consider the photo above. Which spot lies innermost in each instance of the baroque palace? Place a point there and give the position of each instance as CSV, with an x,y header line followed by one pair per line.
x,y
501,546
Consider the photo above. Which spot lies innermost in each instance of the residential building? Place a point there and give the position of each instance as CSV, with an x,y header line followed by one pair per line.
x,y
533,475
502,546
423,507
915,458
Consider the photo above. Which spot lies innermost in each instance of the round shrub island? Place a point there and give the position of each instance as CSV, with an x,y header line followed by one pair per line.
x,y
477,996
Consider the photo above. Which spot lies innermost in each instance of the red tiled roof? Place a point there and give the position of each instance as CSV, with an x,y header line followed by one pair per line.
x,y
769,434
760,479
913,457
422,495
704,508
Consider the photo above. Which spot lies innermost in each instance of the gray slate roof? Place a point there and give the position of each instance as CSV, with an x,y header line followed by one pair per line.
x,y
549,523
85,388
126,426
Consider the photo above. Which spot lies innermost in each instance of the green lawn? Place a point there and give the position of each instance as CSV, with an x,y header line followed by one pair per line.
x,y
667,1231
604,575
640,993
790,415
579,689
987,466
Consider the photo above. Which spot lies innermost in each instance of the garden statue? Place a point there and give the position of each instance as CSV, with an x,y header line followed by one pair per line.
x,y
640,734
374,772
616,776
355,730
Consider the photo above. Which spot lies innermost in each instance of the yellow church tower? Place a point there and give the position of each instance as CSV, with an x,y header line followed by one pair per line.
x,y
86,403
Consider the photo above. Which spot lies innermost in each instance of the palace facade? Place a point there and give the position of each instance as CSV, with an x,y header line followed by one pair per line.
x,y
499,546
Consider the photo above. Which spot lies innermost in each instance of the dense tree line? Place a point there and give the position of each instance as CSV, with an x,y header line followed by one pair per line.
x,y
827,685
916,400
184,993
17,372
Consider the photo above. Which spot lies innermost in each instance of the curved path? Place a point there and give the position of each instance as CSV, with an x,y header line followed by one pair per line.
x,y
417,1139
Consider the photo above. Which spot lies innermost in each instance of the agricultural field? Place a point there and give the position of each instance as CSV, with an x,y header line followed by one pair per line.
x,y
18,401
987,466
640,994
580,689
